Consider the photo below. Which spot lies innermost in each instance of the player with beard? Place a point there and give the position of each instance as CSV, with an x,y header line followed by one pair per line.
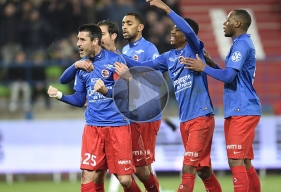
x,y
191,90
109,40
148,111
106,140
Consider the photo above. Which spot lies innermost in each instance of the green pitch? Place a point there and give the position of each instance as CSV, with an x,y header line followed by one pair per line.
x,y
168,184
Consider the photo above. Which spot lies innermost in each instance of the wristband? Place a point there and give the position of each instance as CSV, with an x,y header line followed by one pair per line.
x,y
58,95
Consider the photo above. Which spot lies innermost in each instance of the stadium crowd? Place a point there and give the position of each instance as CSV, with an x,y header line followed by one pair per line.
x,y
38,40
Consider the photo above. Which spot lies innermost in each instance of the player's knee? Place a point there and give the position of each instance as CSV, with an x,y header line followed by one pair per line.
x,y
99,176
125,180
235,162
87,176
205,173
187,169
142,173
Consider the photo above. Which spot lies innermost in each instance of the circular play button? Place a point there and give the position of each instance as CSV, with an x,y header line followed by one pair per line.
x,y
144,97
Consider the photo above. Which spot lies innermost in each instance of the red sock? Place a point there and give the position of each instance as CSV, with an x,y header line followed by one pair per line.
x,y
254,181
88,187
240,179
187,183
99,187
151,185
133,188
212,184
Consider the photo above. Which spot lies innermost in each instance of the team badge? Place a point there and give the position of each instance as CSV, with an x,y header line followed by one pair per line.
x,y
155,55
236,56
105,73
136,57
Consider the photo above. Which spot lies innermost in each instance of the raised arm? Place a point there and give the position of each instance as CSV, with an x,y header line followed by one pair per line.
x,y
180,23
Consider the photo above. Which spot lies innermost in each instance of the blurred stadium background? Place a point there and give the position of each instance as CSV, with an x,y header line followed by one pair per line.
x,y
40,138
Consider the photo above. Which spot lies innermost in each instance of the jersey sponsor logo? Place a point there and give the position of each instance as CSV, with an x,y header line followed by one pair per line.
x,y
105,73
139,51
140,152
193,159
176,72
136,42
233,146
155,55
191,154
140,159
182,83
236,152
124,162
109,66
236,56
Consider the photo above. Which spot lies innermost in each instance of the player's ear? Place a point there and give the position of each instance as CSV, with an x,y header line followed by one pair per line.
x,y
141,27
95,41
114,36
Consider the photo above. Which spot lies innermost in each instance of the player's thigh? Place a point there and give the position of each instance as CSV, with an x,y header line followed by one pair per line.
x,y
138,145
149,132
92,150
119,150
197,136
239,136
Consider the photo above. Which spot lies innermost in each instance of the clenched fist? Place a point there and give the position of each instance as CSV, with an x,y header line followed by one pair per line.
x,y
53,92
100,87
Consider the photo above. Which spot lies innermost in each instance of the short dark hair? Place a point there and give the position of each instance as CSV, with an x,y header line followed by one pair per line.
x,y
93,29
138,17
193,24
112,27
244,17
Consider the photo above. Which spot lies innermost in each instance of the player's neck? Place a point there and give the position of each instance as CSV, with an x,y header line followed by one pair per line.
x,y
138,37
97,50
179,47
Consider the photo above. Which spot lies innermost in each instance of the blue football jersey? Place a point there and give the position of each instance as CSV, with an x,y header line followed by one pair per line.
x,y
190,87
240,97
101,110
148,109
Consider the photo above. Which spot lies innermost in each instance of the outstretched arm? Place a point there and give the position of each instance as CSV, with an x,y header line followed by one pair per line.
x,y
77,99
225,75
153,77
139,66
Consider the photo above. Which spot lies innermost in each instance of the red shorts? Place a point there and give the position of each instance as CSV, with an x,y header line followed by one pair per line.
x,y
107,148
138,146
197,137
239,134
149,132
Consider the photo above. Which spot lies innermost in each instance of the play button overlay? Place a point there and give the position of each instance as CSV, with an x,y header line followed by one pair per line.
x,y
144,97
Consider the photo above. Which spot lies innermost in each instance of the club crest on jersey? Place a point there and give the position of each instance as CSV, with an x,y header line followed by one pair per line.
x,y
155,55
236,56
105,73
136,57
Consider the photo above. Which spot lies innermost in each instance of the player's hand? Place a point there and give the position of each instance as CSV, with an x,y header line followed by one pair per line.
x,y
160,4
122,70
100,87
193,64
209,60
53,92
87,65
